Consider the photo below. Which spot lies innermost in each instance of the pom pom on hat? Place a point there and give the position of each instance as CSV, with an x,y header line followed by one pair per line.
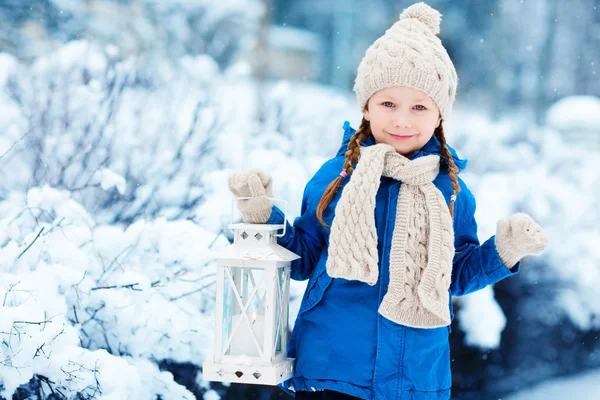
x,y
424,13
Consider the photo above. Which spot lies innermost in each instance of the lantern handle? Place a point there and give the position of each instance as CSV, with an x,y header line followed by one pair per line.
x,y
270,198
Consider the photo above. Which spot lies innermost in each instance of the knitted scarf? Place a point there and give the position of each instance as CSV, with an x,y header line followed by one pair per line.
x,y
422,242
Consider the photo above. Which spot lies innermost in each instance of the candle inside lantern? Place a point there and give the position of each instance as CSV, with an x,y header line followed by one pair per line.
x,y
243,342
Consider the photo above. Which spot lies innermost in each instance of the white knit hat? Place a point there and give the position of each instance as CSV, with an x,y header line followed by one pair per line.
x,y
409,54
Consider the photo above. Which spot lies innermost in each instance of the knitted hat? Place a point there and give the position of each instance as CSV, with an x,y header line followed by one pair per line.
x,y
409,54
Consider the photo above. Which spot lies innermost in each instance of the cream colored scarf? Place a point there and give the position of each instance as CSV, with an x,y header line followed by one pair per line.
x,y
422,242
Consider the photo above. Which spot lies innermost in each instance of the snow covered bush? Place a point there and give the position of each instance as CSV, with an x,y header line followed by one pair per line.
x,y
90,309
113,192
84,118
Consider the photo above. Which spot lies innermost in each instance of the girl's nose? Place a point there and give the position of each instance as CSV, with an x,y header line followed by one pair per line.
x,y
402,123
402,119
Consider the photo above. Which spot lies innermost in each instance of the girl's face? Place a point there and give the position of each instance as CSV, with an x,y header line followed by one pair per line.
x,y
402,117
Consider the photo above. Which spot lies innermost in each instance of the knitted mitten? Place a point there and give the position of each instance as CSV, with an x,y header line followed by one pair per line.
x,y
518,236
256,184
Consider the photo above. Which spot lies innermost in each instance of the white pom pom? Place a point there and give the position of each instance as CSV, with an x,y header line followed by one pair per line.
x,y
425,14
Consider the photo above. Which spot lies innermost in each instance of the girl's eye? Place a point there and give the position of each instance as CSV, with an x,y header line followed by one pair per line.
x,y
387,104
421,109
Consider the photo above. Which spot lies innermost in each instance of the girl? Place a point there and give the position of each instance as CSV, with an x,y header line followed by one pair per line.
x,y
387,232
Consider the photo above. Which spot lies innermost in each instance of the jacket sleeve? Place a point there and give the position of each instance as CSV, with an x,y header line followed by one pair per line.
x,y
305,237
475,265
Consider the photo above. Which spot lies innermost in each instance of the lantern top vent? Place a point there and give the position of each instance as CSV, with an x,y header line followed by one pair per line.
x,y
255,245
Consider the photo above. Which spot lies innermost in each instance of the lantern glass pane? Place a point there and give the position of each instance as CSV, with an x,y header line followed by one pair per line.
x,y
280,310
244,313
226,317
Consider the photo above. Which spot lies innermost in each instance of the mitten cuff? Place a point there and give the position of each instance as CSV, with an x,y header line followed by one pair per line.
x,y
257,216
509,255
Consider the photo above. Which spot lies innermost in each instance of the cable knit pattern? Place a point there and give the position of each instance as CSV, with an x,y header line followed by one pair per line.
x,y
422,241
409,54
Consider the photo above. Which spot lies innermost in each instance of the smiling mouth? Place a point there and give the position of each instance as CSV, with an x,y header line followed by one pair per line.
x,y
400,136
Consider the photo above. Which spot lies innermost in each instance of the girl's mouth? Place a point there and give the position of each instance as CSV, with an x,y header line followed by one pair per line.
x,y
400,137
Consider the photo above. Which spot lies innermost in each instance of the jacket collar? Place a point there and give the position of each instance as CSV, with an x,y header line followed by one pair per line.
x,y
432,147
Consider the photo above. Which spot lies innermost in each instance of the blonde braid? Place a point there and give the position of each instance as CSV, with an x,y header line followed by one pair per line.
x,y
352,154
452,168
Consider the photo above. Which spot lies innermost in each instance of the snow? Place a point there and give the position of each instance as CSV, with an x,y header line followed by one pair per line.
x,y
211,395
79,289
481,319
200,68
109,179
584,386
575,112
106,282
7,66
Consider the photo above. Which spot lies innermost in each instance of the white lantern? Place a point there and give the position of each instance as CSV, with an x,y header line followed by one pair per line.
x,y
252,302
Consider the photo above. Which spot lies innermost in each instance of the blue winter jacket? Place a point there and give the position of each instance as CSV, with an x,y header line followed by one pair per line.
x,y
339,340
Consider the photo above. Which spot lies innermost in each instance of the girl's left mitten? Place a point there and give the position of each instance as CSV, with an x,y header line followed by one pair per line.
x,y
257,186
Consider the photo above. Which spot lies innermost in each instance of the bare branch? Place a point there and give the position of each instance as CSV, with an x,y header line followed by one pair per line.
x,y
8,291
32,323
15,143
40,349
31,244
192,292
128,286
114,261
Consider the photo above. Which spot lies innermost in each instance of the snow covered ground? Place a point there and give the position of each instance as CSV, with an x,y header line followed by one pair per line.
x,y
585,386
